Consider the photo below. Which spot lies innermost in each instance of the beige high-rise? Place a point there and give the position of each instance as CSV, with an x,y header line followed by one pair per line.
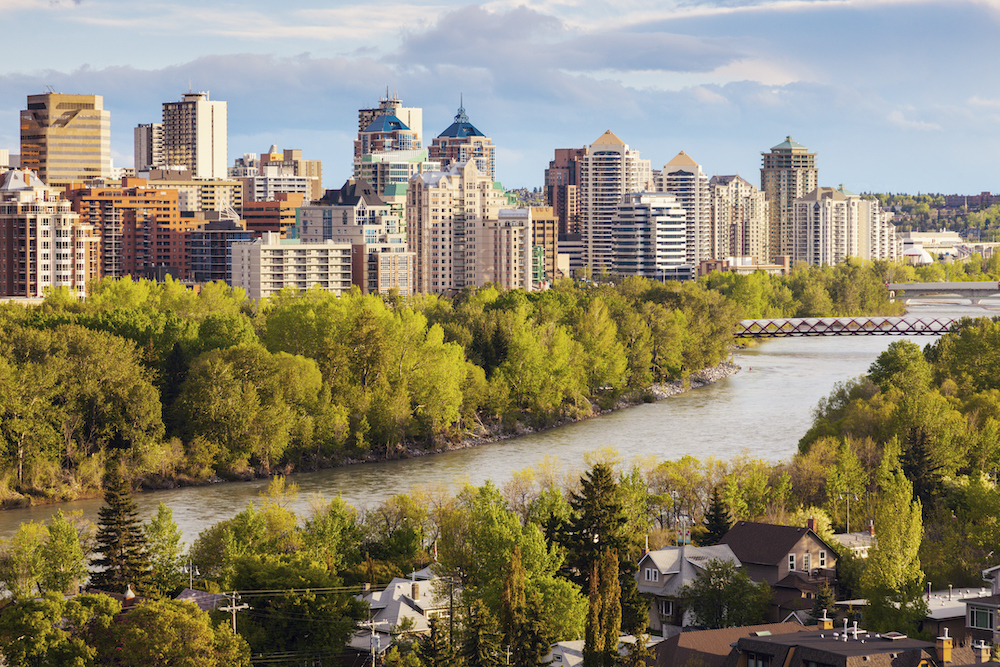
x,y
684,179
739,220
195,135
66,138
787,173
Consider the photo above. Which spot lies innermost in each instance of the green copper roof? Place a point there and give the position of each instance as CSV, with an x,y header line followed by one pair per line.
x,y
788,143
393,189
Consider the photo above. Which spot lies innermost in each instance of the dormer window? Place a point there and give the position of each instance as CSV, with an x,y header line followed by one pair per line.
x,y
652,574
791,562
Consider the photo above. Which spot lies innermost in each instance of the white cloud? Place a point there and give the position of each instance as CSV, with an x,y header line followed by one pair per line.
x,y
897,118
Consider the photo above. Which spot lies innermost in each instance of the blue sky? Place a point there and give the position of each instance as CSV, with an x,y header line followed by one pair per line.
x,y
893,95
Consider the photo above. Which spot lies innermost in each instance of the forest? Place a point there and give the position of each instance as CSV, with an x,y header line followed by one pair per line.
x,y
193,386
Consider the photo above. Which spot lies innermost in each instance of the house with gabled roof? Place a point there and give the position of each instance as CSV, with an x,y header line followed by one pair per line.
x,y
794,560
404,602
663,573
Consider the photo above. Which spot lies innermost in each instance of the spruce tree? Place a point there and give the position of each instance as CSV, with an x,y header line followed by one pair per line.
x,y
920,468
533,639
433,649
716,520
120,540
481,644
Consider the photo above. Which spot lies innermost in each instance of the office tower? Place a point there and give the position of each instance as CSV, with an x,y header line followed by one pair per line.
x,y
148,146
462,142
195,135
441,207
683,178
545,235
739,220
43,243
562,183
787,173
412,117
649,237
142,231
66,138
608,171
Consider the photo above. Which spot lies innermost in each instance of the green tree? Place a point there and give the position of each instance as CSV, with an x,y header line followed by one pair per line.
x,y
481,638
920,467
22,561
65,564
513,601
825,601
611,607
52,630
716,521
120,541
723,596
163,542
433,649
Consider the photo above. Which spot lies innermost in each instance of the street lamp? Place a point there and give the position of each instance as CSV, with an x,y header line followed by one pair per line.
x,y
848,497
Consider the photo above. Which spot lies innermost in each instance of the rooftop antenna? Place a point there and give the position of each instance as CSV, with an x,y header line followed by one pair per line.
x,y
50,89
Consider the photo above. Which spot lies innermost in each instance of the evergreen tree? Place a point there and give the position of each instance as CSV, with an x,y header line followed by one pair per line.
x,y
920,468
533,638
717,521
512,601
611,608
593,640
599,520
825,601
481,644
433,649
120,540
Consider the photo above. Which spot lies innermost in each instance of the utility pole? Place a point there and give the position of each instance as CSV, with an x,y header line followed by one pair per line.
x,y
370,624
233,607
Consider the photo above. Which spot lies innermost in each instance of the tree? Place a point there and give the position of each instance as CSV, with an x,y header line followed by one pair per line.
x,y
65,564
717,522
824,602
433,649
120,541
611,607
920,467
532,639
51,630
723,597
163,540
22,562
512,601
481,641
599,520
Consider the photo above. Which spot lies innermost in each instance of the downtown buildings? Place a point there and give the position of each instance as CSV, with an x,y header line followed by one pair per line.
x,y
66,138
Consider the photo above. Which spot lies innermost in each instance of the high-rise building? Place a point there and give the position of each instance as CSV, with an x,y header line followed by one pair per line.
x,y
649,236
739,220
277,215
195,135
290,159
443,208
148,146
562,188
66,138
787,173
412,117
269,264
545,235
684,179
608,171
385,169
462,142
825,227
43,243
198,195
210,248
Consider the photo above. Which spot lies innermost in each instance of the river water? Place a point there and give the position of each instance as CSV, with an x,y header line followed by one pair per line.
x,y
763,409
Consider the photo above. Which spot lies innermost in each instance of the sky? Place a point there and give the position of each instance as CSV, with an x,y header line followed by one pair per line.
x,y
892,95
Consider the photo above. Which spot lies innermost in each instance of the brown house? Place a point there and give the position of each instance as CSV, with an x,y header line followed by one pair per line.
x,y
795,561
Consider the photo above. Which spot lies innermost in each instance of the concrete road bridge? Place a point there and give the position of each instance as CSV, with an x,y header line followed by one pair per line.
x,y
974,291
844,326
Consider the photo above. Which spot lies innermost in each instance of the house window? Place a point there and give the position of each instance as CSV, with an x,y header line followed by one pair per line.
x,y
822,559
806,562
665,607
652,574
791,562
981,618
758,660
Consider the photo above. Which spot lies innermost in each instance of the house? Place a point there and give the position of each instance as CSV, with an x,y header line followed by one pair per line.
x,y
570,653
859,543
709,648
409,602
982,612
662,573
794,560
847,647
206,601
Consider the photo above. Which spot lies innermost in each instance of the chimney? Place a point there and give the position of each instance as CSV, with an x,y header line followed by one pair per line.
x,y
871,527
943,647
811,524
415,591
981,652
825,623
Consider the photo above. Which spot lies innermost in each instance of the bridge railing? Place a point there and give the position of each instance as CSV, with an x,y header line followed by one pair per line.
x,y
843,326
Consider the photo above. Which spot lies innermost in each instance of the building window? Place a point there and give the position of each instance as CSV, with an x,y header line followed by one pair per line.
x,y
758,660
652,574
822,559
807,561
981,618
665,607
791,562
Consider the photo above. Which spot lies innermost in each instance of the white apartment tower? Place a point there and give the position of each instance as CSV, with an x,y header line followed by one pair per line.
x,y
739,219
650,235
684,179
195,135
444,211
608,171
825,227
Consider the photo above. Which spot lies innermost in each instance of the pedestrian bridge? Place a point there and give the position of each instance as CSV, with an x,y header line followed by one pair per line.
x,y
844,326
975,291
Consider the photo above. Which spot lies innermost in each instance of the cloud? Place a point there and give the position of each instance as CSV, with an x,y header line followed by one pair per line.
x,y
897,118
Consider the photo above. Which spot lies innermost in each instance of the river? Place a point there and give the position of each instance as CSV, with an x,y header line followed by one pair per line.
x,y
763,409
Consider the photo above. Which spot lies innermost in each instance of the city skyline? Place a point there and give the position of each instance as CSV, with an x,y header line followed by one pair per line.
x,y
893,95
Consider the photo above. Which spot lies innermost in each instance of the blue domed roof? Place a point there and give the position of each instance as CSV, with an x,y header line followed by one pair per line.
x,y
386,123
461,127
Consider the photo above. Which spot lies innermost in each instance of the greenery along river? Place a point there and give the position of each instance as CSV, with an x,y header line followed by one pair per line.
x,y
765,409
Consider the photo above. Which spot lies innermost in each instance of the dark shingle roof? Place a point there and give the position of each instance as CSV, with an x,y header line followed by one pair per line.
x,y
764,543
351,194
710,647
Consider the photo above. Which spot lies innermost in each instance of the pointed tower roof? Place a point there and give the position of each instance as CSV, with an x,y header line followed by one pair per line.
x,y
608,138
461,127
386,123
682,159
787,144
